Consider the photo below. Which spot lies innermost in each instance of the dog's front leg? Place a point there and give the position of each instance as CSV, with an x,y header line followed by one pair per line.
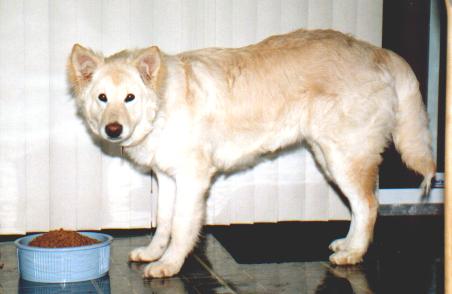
x,y
165,207
187,222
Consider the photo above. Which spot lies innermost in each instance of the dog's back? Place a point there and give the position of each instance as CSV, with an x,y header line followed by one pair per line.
x,y
316,85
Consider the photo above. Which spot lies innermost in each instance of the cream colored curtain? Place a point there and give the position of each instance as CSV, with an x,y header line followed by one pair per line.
x,y
53,175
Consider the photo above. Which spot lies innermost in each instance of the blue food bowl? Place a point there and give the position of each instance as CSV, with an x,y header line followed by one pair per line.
x,y
61,265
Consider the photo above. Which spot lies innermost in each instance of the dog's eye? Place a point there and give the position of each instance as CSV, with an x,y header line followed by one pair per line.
x,y
129,97
102,97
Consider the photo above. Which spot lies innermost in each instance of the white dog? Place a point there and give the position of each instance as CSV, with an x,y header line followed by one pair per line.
x,y
191,115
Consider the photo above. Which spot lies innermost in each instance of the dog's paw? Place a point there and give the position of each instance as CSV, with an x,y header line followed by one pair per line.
x,y
161,269
346,257
338,245
143,254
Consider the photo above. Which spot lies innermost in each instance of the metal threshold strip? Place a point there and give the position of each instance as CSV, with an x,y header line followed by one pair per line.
x,y
411,209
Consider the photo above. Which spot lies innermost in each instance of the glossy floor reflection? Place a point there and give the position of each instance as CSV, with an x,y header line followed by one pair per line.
x,y
406,257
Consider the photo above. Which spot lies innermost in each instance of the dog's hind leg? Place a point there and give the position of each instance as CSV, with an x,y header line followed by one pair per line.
x,y
355,175
165,207
187,221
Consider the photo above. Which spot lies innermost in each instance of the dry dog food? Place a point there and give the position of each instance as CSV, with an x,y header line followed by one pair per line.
x,y
61,238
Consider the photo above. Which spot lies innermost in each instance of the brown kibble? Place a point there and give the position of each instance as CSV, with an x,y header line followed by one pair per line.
x,y
61,238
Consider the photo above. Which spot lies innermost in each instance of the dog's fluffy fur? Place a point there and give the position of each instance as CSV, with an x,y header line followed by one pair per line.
x,y
206,111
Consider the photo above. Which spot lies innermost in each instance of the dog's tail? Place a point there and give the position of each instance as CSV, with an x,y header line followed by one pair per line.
x,y
411,134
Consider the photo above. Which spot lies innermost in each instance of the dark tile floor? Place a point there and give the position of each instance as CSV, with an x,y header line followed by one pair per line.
x,y
406,257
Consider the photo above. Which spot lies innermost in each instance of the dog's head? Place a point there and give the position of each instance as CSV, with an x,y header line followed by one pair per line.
x,y
117,96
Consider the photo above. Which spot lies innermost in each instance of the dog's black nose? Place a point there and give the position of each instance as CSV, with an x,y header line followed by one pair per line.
x,y
113,130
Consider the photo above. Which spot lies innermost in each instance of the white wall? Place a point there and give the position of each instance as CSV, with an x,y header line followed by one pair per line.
x,y
51,173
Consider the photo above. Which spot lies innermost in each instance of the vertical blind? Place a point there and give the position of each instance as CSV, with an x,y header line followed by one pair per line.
x,y
54,174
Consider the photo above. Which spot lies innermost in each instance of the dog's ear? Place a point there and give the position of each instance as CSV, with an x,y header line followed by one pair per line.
x,y
148,64
82,64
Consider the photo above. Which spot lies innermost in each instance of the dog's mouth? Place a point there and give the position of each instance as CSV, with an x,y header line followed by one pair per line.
x,y
115,139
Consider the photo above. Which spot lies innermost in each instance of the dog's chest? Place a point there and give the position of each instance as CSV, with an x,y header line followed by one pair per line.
x,y
154,152
142,154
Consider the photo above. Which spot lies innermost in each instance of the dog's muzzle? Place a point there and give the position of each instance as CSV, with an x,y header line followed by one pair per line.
x,y
113,130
